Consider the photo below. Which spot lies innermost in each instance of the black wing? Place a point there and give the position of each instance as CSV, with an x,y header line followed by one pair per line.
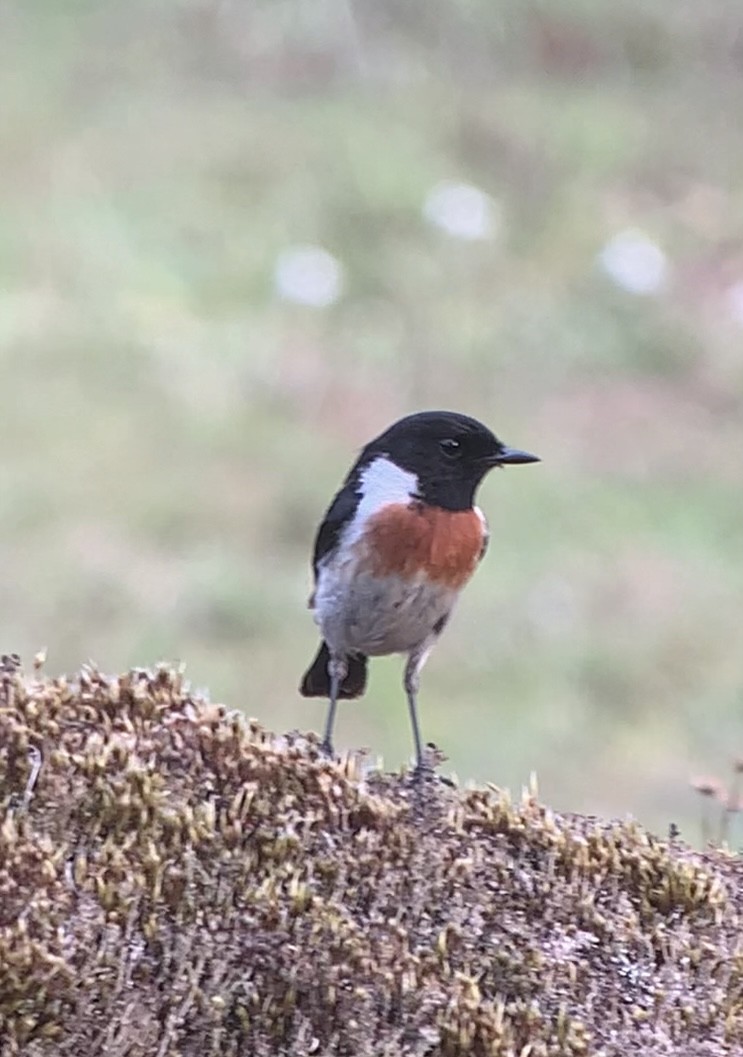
x,y
339,513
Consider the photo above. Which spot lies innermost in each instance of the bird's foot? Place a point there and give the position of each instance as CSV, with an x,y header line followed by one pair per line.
x,y
326,748
425,768
422,772
420,776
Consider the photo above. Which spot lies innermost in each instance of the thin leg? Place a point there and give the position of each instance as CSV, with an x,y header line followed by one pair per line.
x,y
416,660
337,669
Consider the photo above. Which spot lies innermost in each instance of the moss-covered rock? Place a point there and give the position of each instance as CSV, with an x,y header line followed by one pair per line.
x,y
174,880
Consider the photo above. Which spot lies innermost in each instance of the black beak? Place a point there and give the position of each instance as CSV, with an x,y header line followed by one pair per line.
x,y
516,457
510,457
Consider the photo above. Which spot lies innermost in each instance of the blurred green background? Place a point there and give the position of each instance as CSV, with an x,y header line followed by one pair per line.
x,y
239,238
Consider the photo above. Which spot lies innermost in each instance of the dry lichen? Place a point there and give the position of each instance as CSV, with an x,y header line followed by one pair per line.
x,y
174,880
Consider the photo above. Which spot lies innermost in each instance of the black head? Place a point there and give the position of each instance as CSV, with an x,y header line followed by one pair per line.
x,y
449,454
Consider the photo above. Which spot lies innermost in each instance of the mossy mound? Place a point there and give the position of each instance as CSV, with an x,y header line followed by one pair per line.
x,y
173,880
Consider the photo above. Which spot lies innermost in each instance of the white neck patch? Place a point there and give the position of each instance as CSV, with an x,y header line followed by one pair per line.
x,y
381,483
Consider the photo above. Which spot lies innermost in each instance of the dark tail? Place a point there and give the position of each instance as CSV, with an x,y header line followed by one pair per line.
x,y
316,681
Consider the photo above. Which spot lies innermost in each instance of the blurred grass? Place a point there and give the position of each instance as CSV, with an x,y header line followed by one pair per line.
x,y
172,430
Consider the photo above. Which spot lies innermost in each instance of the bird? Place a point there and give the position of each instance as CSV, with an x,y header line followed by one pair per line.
x,y
397,544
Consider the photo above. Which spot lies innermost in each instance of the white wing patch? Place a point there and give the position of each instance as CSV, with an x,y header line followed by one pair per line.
x,y
485,532
382,483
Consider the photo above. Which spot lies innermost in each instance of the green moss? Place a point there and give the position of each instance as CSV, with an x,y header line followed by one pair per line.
x,y
175,880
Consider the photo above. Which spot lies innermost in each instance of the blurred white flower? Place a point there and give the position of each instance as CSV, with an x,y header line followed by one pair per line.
x,y
309,275
634,262
462,210
735,301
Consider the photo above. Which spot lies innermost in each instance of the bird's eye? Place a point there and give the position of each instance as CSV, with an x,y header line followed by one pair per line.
x,y
450,447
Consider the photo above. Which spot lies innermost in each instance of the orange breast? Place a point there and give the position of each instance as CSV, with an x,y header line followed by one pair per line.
x,y
408,539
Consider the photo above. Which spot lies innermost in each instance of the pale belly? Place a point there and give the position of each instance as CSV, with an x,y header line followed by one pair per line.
x,y
376,616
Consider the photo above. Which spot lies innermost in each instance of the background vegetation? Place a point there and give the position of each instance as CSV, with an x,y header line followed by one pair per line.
x,y
172,427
